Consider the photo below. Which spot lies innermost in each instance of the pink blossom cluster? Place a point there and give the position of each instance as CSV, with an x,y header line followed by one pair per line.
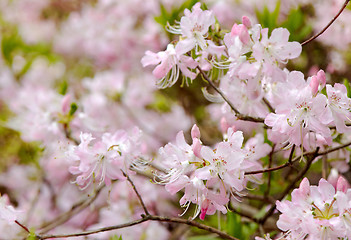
x,y
304,114
317,212
209,176
74,93
106,159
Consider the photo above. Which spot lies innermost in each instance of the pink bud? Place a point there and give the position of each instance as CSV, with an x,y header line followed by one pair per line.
x,y
246,21
204,207
224,125
304,187
314,84
196,146
195,132
235,30
65,103
333,177
241,31
321,78
342,184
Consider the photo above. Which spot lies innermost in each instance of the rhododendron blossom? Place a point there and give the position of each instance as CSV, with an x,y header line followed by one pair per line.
x,y
76,106
169,65
106,159
207,175
317,212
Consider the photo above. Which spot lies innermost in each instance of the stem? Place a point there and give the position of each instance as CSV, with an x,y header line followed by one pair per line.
x,y
291,186
291,154
237,113
137,193
270,108
326,27
144,219
298,158
76,208
266,193
22,226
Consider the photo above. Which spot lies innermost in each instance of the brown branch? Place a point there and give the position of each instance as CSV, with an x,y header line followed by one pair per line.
x,y
266,193
144,219
270,108
22,226
290,186
137,193
326,27
237,113
76,208
297,158
291,154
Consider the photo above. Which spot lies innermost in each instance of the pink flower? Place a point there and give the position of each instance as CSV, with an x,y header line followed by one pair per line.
x,y
339,105
7,212
169,65
300,112
321,212
102,160
276,47
193,28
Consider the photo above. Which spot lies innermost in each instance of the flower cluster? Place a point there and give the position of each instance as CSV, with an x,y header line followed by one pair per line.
x,y
209,176
317,212
106,159
304,114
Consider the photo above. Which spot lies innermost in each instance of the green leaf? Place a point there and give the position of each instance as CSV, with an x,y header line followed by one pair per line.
x,y
115,237
73,109
234,225
348,87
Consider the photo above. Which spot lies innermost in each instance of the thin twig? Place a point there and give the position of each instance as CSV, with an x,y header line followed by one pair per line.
x,y
266,199
22,226
291,154
266,193
144,219
137,193
290,186
237,113
270,108
298,158
326,27
76,208
68,134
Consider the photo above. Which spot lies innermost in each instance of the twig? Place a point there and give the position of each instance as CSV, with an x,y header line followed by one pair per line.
x,y
266,193
270,108
266,199
137,193
298,158
22,226
291,186
237,113
76,208
245,215
68,134
324,167
326,27
144,219
291,154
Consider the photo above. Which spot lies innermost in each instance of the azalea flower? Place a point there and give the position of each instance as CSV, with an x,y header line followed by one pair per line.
x,y
169,64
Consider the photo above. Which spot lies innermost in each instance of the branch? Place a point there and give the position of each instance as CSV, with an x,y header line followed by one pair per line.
x,y
144,219
297,158
76,208
326,27
237,113
291,186
137,193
